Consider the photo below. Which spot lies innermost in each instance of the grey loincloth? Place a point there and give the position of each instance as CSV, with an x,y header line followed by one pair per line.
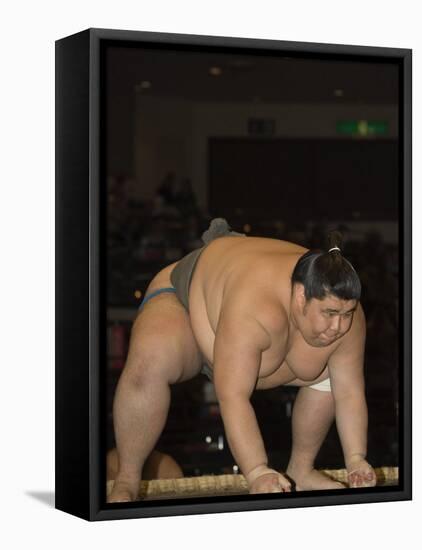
x,y
181,275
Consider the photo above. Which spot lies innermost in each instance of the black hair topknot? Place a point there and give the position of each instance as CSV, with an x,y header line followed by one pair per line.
x,y
323,273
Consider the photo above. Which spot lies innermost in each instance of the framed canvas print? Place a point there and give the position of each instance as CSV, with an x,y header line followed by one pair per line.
x,y
233,274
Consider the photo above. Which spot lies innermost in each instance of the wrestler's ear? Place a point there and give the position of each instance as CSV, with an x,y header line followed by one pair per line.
x,y
299,294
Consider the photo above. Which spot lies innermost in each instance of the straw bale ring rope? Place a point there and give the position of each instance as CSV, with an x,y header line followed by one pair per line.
x,y
233,484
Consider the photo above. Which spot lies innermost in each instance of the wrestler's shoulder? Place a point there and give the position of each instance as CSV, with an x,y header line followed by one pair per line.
x,y
355,336
358,327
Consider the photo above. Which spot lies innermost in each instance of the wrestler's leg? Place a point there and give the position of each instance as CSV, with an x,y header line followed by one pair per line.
x,y
313,414
162,351
157,466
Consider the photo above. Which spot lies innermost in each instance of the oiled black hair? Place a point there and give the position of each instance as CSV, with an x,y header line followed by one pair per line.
x,y
322,272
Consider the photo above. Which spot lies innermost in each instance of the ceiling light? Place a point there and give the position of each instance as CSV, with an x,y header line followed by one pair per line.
x,y
215,71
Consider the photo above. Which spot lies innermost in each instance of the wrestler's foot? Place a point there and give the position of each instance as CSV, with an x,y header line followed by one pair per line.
x,y
312,480
122,492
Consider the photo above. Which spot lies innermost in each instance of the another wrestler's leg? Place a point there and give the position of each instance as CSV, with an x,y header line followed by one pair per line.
x,y
162,351
312,417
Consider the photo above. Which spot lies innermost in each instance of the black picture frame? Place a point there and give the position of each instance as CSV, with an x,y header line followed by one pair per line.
x,y
80,268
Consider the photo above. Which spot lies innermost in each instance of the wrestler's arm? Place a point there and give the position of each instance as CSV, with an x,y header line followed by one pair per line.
x,y
239,343
346,370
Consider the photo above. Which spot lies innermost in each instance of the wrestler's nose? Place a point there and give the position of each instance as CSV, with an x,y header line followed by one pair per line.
x,y
335,325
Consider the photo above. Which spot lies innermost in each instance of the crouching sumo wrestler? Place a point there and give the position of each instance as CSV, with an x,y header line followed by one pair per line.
x,y
251,313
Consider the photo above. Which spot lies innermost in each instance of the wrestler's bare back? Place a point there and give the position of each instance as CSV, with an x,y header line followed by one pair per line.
x,y
252,274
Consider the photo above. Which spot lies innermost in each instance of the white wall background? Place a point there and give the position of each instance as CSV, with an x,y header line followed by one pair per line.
x,y
29,30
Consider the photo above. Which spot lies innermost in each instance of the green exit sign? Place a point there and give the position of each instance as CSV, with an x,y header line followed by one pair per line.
x,y
362,127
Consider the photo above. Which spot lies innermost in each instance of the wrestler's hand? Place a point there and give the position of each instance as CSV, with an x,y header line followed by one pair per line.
x,y
266,480
360,473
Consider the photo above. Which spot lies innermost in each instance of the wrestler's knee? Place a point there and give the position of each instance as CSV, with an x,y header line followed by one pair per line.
x,y
152,360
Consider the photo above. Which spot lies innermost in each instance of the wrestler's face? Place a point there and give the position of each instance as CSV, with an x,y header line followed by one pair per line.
x,y
322,322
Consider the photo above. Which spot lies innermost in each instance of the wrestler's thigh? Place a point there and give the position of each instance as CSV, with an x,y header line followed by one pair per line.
x,y
162,342
297,382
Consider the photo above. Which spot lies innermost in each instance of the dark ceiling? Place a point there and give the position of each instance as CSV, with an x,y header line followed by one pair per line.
x,y
186,74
